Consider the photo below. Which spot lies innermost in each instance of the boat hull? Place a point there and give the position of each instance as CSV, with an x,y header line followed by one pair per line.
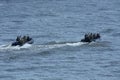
x,y
19,44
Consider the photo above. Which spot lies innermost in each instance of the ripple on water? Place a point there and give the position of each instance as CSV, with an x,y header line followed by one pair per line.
x,y
110,64
6,77
18,21
116,34
21,69
110,30
18,16
44,53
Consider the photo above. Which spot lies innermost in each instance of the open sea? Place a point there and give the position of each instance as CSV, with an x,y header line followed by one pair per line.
x,y
57,26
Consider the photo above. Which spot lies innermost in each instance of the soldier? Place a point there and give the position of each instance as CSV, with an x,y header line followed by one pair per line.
x,y
98,35
24,39
21,42
86,38
18,38
28,38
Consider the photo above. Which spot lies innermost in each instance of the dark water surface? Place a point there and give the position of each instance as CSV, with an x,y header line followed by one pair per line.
x,y
57,27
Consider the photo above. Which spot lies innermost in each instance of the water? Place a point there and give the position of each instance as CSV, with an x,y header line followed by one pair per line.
x,y
57,27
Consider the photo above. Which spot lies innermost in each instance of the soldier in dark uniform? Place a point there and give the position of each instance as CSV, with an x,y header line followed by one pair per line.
x,y
18,38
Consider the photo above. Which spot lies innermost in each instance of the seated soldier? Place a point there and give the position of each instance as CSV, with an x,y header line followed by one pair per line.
x,y
25,38
28,38
98,35
21,42
18,38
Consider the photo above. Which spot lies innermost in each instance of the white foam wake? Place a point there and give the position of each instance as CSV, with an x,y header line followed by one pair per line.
x,y
9,47
51,46
75,44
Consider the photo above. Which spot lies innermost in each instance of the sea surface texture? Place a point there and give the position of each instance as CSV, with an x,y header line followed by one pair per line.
x,y
57,26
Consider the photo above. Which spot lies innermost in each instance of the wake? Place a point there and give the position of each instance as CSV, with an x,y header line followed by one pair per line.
x,y
9,47
51,46
58,45
48,46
